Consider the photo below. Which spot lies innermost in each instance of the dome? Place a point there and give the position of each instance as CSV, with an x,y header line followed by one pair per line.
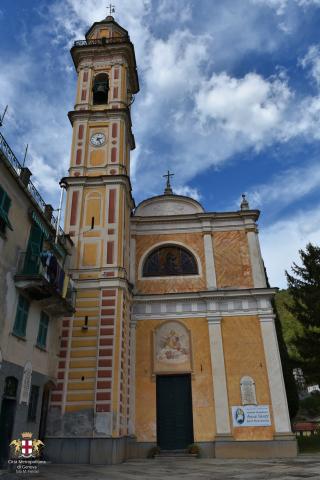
x,y
165,205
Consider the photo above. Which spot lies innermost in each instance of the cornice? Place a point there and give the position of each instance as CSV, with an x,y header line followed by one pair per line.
x,y
220,294
97,181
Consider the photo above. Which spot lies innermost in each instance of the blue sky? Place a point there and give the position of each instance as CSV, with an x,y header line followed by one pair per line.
x,y
229,101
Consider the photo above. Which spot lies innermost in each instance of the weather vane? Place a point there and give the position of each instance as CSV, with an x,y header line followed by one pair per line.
x,y
111,9
168,188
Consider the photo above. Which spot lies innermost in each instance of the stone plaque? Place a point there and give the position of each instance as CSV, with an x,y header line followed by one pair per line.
x,y
248,391
26,383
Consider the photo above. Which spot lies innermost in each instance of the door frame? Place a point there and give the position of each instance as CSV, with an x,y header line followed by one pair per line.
x,y
174,374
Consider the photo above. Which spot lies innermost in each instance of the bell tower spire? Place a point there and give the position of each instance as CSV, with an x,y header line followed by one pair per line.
x,y
94,375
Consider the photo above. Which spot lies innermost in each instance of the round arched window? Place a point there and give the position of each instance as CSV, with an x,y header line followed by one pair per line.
x,y
170,260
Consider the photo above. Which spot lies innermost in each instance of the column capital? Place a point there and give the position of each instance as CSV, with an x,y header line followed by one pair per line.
x,y
133,323
214,319
267,317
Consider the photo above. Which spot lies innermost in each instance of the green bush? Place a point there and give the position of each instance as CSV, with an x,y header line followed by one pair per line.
x,y
310,443
153,452
194,449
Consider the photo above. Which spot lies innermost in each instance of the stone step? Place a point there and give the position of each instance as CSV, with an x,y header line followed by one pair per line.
x,y
175,454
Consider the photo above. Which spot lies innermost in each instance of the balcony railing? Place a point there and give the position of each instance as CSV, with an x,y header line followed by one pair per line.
x,y
42,277
16,168
101,41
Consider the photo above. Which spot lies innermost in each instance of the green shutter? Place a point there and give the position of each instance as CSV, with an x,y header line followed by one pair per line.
x,y
43,330
5,203
32,259
20,323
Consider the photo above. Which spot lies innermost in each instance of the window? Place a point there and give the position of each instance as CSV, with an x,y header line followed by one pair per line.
x,y
33,403
100,89
20,323
32,258
5,203
170,260
10,387
43,330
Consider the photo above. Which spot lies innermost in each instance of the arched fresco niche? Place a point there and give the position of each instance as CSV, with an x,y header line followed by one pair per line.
x,y
172,348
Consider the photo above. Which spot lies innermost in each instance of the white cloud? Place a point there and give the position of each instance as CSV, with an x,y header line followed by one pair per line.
x,y
188,192
173,11
312,60
280,6
280,242
287,186
34,118
250,106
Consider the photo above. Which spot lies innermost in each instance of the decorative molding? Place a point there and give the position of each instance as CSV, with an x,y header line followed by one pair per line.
x,y
213,304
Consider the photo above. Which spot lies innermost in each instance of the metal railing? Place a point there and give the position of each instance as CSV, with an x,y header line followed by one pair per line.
x,y
17,167
31,264
101,41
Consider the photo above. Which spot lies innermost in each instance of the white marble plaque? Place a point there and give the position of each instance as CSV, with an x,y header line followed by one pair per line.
x,y
26,383
248,391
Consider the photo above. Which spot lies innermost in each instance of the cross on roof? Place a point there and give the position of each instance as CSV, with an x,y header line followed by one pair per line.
x,y
168,189
111,9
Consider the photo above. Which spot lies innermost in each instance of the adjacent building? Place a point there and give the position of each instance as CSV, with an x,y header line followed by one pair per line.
x,y
35,293
173,339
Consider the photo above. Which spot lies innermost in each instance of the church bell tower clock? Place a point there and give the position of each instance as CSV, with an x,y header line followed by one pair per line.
x,y
91,399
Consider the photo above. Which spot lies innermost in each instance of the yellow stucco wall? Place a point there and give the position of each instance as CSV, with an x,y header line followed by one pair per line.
x,y
232,259
192,241
202,390
244,355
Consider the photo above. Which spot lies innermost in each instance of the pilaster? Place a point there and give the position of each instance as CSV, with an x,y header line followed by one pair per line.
x,y
221,403
275,375
209,259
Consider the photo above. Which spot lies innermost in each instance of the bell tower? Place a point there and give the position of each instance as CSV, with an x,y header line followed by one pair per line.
x,y
91,399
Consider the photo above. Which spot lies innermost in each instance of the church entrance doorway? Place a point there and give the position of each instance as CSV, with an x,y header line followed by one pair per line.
x,y
174,412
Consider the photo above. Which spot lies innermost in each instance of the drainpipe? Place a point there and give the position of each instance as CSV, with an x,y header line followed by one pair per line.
x,y
63,186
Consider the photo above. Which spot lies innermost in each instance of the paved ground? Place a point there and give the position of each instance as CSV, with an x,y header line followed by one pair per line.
x,y
305,466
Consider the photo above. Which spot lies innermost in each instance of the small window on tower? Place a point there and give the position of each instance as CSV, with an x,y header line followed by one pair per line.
x,y
100,89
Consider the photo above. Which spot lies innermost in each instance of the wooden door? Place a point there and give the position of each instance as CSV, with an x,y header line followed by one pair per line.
x,y
174,412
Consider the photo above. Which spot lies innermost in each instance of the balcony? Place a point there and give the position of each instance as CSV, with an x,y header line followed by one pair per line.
x,y
42,278
23,174
101,41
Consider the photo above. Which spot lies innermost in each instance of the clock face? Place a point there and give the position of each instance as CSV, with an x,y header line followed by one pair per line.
x,y
98,139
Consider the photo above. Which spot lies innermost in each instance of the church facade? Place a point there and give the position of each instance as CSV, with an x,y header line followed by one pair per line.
x,y
173,339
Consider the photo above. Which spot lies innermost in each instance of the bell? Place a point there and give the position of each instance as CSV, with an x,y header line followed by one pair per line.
x,y
100,92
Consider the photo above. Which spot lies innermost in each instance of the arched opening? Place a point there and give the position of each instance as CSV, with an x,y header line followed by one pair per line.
x,y
7,414
100,89
169,260
44,409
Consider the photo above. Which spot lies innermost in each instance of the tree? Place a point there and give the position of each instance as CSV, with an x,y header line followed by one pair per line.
x,y
304,287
